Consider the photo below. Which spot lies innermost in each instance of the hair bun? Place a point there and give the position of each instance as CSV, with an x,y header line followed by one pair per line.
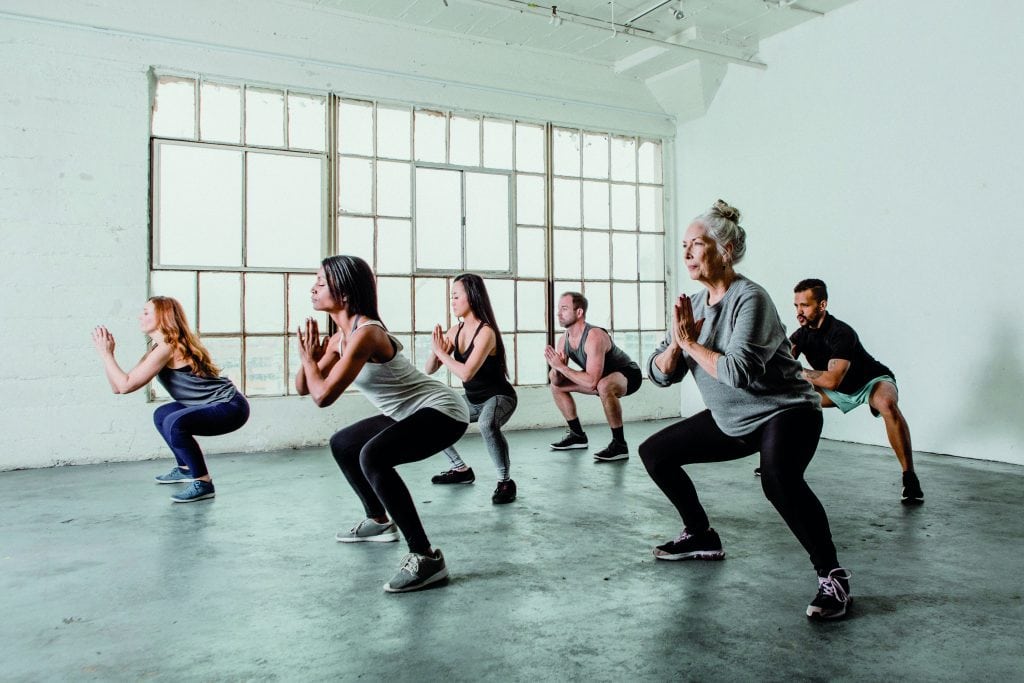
x,y
729,213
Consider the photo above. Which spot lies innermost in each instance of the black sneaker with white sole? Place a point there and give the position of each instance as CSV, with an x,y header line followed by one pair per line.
x,y
570,441
616,450
703,546
465,476
418,571
833,598
912,493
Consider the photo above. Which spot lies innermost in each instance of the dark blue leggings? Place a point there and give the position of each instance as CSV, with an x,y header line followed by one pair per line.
x,y
787,443
368,452
178,423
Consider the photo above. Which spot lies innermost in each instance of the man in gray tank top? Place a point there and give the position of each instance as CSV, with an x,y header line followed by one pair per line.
x,y
606,371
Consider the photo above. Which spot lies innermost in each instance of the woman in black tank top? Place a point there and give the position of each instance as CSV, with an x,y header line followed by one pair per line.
x,y
474,352
204,404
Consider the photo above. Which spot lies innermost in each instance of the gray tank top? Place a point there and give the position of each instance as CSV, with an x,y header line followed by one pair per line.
x,y
398,390
195,390
616,360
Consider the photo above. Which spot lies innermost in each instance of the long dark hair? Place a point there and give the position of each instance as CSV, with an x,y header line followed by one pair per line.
x,y
351,279
480,304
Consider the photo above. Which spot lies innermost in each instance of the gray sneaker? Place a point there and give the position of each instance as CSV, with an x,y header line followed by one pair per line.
x,y
418,571
175,476
369,530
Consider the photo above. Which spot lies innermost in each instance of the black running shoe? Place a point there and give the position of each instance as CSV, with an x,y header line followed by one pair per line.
x,y
912,493
505,493
703,546
569,441
833,598
616,450
465,476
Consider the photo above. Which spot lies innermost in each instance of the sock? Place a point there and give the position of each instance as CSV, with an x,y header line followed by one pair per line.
x,y
618,435
575,426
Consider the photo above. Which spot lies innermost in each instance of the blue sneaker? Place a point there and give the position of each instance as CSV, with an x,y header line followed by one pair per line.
x,y
175,476
199,490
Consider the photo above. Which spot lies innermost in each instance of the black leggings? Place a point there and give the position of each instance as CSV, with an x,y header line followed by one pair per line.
x,y
369,450
787,443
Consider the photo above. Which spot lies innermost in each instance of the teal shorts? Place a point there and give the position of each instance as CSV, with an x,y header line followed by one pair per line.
x,y
847,402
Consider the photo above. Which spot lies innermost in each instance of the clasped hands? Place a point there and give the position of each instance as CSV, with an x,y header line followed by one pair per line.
x,y
684,328
311,346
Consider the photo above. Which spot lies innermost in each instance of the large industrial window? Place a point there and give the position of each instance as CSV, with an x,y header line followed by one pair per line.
x,y
252,186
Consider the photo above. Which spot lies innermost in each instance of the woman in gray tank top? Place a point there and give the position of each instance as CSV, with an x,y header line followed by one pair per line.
x,y
419,416
204,404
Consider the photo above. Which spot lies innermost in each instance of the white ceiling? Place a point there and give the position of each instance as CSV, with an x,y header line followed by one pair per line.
x,y
637,38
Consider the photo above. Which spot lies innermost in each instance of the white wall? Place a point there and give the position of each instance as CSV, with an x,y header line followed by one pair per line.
x,y
74,167
882,151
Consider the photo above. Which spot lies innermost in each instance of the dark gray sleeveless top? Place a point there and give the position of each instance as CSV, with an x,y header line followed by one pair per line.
x,y
195,390
616,360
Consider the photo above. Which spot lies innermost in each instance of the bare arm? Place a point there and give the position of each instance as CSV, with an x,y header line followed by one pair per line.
x,y
482,347
122,382
445,343
361,345
598,344
828,379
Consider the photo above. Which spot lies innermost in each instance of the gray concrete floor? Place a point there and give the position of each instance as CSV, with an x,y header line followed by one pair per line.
x,y
102,578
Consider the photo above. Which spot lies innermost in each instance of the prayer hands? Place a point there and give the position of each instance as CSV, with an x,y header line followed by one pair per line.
x,y
556,359
103,340
439,343
311,346
684,328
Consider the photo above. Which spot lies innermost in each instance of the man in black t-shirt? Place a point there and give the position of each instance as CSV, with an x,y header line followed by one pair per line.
x,y
847,376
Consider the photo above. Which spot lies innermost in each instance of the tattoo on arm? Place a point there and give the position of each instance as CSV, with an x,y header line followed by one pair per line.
x,y
813,374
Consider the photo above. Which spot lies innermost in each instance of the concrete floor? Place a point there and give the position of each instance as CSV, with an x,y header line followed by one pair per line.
x,y
102,578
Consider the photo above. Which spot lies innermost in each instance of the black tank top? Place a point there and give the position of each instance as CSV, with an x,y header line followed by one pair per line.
x,y
489,379
615,360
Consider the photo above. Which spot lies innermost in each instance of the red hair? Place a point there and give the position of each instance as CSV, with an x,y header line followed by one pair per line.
x,y
172,323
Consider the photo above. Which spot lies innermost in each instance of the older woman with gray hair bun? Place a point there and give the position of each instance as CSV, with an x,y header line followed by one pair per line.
x,y
730,337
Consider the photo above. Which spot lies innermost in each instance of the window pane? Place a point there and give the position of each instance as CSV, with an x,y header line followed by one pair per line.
x,y
529,148
624,159
307,116
502,294
438,219
567,152
595,204
530,199
629,341
567,203
595,156
420,352
394,299
531,312
465,141
531,252
431,139
293,362
227,355
299,305
652,257
567,254
530,365
431,303
355,127
394,132
651,214
199,206
355,237
624,207
596,256
355,185
497,144
649,159
626,315
264,117
599,311
264,302
284,211
624,265
394,188
220,112
178,284
487,226
652,305
394,246
220,298
264,366
174,108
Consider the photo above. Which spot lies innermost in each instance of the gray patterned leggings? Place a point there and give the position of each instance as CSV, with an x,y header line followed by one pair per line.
x,y
491,415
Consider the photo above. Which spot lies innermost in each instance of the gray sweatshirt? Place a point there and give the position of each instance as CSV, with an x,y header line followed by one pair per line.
x,y
757,376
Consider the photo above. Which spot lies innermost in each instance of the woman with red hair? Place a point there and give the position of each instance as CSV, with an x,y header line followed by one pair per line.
x,y
204,404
